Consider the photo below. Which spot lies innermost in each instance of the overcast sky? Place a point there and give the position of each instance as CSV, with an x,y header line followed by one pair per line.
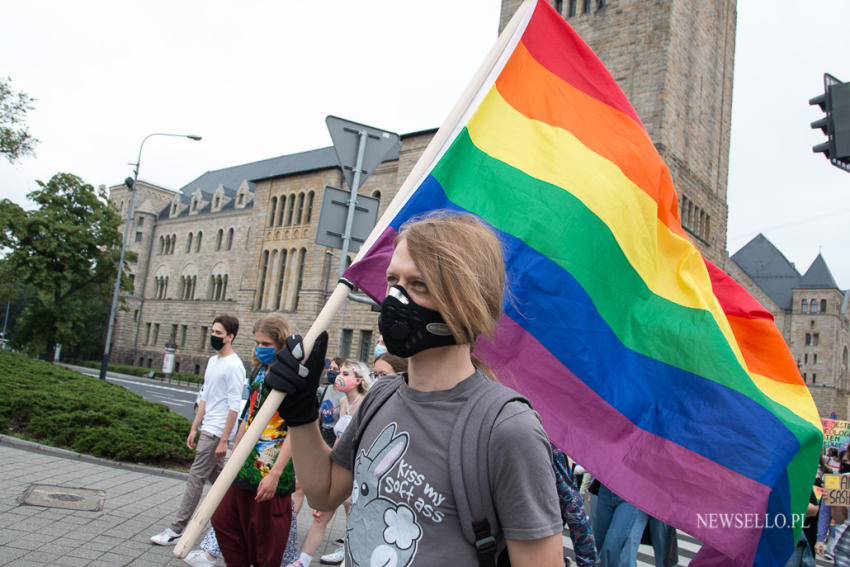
x,y
256,80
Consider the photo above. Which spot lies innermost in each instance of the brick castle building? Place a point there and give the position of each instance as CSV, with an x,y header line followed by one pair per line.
x,y
241,239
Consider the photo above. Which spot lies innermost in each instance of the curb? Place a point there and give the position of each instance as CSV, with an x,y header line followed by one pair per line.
x,y
66,454
189,386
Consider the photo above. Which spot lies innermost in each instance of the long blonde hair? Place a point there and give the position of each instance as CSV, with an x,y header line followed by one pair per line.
x,y
276,327
461,262
361,371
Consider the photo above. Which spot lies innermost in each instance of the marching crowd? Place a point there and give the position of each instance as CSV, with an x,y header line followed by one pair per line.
x,y
385,442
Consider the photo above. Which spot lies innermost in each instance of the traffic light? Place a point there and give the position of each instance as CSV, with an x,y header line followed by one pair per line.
x,y
835,102
840,95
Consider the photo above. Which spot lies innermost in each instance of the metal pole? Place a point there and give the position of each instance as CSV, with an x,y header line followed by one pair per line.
x,y
113,308
349,221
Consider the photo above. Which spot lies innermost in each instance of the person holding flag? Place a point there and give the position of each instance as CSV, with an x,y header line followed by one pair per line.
x,y
442,294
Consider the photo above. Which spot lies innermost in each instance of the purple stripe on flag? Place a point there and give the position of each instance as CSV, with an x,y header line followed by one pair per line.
x,y
370,272
621,454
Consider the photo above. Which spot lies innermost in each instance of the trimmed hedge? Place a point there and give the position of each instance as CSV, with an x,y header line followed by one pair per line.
x,y
138,371
56,406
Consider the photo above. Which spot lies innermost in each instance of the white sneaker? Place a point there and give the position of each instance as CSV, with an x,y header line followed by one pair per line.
x,y
334,558
198,558
166,537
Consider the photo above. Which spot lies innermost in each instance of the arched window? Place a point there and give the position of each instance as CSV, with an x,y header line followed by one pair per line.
x,y
194,284
173,243
189,243
161,244
290,207
198,243
263,269
823,305
804,306
814,305
229,239
272,207
224,287
218,236
308,217
211,293
165,289
301,258
281,273
217,201
282,203
217,288
300,208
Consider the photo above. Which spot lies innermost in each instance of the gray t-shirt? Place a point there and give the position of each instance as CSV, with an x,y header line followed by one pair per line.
x,y
403,512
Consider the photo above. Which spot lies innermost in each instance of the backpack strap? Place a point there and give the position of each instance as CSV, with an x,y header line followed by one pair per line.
x,y
379,393
469,467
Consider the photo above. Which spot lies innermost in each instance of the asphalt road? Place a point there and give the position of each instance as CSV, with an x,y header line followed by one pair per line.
x,y
179,400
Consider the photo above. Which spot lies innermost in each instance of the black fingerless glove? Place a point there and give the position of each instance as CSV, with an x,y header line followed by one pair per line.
x,y
298,381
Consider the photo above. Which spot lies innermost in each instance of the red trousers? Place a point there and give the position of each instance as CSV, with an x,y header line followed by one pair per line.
x,y
251,532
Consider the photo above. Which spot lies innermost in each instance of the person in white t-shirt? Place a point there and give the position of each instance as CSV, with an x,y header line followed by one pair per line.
x,y
215,417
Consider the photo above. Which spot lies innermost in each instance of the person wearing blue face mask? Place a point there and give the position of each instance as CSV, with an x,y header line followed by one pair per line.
x,y
254,517
379,349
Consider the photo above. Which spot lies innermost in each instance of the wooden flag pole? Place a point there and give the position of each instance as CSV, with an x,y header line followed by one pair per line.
x,y
225,478
208,506
447,129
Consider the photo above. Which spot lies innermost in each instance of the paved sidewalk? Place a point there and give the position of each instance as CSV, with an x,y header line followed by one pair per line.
x,y
140,501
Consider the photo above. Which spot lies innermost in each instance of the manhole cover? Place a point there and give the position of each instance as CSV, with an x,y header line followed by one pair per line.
x,y
52,496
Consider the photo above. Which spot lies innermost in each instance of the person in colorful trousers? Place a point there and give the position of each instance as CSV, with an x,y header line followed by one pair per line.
x,y
254,517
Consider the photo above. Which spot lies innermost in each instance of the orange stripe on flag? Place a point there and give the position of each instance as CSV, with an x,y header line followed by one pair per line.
x,y
764,349
538,94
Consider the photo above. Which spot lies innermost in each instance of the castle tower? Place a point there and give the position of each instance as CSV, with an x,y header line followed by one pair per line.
x,y
674,61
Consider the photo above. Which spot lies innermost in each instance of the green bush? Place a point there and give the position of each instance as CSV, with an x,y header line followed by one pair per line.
x,y
138,370
63,408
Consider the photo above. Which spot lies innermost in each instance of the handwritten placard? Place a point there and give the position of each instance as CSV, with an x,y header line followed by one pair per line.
x,y
836,489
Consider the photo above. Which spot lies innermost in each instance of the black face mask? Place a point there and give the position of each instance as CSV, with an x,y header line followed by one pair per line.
x,y
844,468
409,328
216,342
331,376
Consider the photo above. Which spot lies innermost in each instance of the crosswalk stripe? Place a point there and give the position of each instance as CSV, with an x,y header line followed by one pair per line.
x,y
688,548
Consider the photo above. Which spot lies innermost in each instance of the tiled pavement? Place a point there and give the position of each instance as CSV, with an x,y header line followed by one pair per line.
x,y
139,502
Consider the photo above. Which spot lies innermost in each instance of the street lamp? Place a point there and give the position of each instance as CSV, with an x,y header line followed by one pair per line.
x,y
131,185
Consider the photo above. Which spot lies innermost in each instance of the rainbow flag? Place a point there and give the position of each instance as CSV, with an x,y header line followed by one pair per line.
x,y
649,366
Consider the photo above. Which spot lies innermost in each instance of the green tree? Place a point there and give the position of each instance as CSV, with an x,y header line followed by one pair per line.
x,y
65,253
15,138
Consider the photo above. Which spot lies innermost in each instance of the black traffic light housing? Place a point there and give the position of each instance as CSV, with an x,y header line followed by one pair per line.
x,y
835,102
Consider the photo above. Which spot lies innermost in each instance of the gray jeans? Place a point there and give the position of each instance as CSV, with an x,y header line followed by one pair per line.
x,y
205,468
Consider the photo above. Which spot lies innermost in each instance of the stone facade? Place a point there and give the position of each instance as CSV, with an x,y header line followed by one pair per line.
x,y
674,60
207,251
819,343
680,87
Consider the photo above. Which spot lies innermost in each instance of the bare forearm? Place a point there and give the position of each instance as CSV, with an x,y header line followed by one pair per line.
x,y
546,552
322,481
199,415
229,422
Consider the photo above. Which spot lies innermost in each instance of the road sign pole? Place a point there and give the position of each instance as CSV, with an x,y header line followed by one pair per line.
x,y
352,200
352,203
